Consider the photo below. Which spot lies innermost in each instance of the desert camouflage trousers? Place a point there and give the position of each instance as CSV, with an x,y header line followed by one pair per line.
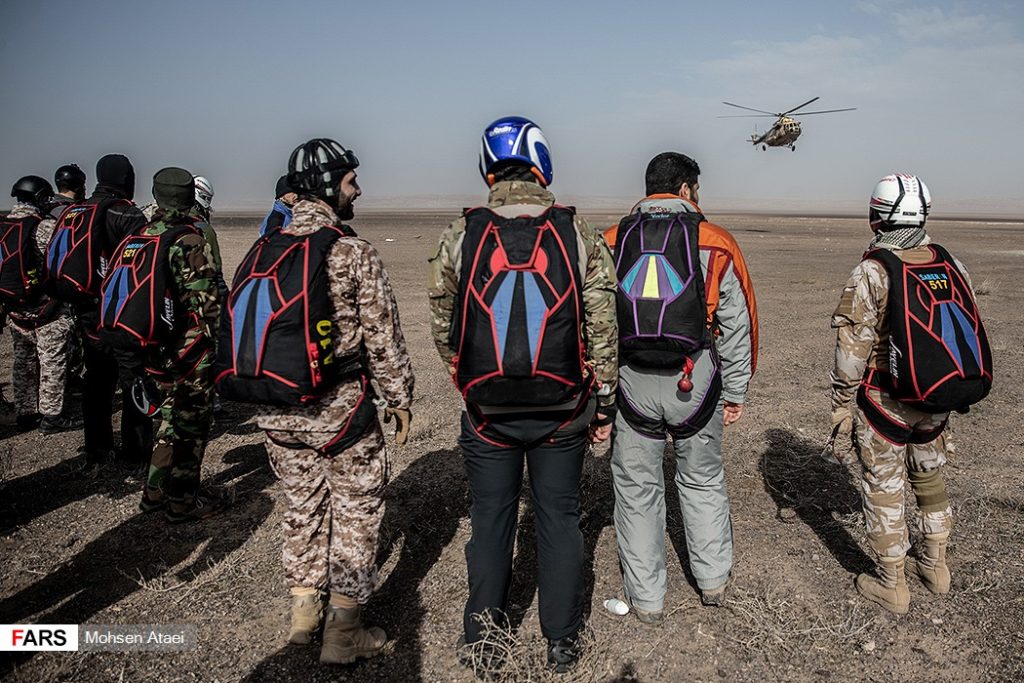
x,y
335,508
886,468
186,412
40,367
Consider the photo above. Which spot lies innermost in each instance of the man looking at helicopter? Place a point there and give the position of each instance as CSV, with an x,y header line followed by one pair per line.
x,y
691,401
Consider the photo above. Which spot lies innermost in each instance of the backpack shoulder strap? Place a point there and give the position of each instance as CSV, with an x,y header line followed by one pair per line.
x,y
31,221
944,255
344,230
893,263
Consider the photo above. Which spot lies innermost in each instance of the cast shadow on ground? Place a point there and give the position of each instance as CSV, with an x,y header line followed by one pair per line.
x,y
141,549
820,493
65,483
23,500
235,419
425,504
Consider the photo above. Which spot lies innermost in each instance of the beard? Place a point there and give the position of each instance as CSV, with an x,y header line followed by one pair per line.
x,y
346,212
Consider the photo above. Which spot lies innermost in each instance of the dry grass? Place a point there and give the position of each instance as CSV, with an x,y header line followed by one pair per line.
x,y
503,656
773,625
988,286
227,575
58,667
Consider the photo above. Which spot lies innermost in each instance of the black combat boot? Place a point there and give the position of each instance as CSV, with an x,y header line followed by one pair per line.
x,y
55,424
563,654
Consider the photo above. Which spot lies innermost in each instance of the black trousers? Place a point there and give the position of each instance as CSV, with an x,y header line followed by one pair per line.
x,y
495,474
103,372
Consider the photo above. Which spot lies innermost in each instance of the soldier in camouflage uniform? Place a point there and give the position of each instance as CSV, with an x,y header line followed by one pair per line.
x,y
335,503
496,440
183,369
69,180
862,345
41,332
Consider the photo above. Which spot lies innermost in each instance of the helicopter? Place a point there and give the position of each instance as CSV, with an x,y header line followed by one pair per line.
x,y
786,128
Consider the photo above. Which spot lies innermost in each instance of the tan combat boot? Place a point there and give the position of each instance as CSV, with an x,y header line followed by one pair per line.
x,y
346,639
890,588
307,613
931,567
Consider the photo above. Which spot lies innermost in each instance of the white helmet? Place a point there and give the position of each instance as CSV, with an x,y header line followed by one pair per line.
x,y
204,192
899,199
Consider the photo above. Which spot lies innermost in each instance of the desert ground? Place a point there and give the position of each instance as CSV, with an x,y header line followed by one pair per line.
x,y
77,550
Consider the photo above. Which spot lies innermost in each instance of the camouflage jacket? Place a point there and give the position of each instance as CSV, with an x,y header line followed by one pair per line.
x,y
203,223
600,328
861,321
365,315
192,276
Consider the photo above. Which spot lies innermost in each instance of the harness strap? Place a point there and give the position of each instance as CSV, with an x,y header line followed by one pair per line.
x,y
359,421
886,426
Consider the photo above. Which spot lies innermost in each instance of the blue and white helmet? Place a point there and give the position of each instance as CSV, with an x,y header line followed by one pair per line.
x,y
514,138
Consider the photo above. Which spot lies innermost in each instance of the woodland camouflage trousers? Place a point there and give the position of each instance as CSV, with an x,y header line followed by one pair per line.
x,y
885,469
186,411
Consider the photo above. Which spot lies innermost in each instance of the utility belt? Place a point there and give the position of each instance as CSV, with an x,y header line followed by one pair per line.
x,y
358,422
884,424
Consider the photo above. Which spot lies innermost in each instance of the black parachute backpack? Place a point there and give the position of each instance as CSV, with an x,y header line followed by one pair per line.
x,y
279,348
138,305
21,271
516,331
77,256
939,357
660,299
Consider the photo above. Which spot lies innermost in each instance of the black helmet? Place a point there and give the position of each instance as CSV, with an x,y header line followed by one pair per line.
x,y
316,167
32,190
69,177
282,188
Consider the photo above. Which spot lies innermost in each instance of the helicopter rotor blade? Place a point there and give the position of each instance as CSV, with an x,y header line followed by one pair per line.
x,y
824,111
747,116
799,107
740,106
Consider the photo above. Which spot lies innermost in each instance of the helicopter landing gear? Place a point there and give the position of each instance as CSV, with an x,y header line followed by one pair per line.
x,y
764,148
792,148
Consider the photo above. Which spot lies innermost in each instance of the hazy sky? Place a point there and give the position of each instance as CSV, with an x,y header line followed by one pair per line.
x,y
227,89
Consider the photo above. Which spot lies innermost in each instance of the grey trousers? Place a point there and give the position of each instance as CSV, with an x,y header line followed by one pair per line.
x,y
639,483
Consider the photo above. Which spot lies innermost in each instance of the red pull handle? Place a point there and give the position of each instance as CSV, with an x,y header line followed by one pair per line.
x,y
686,384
